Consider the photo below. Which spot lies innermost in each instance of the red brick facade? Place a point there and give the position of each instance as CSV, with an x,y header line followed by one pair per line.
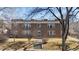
x,y
36,28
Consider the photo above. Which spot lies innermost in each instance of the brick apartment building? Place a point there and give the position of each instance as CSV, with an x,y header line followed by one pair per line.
x,y
35,28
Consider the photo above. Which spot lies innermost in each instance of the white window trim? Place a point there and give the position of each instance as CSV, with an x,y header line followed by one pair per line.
x,y
27,25
50,24
50,33
39,25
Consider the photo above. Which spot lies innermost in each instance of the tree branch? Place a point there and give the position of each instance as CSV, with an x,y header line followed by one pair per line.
x,y
55,16
70,10
3,8
74,9
59,10
76,13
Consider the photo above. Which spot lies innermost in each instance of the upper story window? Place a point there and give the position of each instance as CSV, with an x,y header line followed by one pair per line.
x,y
39,25
27,26
50,26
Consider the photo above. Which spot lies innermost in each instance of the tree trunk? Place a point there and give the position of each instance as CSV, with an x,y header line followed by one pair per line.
x,y
63,39
65,31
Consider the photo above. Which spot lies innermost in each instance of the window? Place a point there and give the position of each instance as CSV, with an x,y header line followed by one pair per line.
x,y
28,32
39,25
51,33
51,26
39,33
27,26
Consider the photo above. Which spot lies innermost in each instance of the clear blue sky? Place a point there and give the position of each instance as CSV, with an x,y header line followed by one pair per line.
x,y
21,11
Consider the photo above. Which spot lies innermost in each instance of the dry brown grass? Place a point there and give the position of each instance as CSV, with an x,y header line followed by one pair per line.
x,y
56,43
17,45
53,43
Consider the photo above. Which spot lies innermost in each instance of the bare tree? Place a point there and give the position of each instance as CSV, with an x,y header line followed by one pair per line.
x,y
63,19
64,24
3,38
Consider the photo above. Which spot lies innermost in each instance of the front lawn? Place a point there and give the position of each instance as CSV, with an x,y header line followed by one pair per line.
x,y
52,44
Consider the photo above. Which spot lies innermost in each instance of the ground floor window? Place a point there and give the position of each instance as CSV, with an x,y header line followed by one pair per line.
x,y
51,33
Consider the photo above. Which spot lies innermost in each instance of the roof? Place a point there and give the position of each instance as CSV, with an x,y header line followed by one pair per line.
x,y
35,21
